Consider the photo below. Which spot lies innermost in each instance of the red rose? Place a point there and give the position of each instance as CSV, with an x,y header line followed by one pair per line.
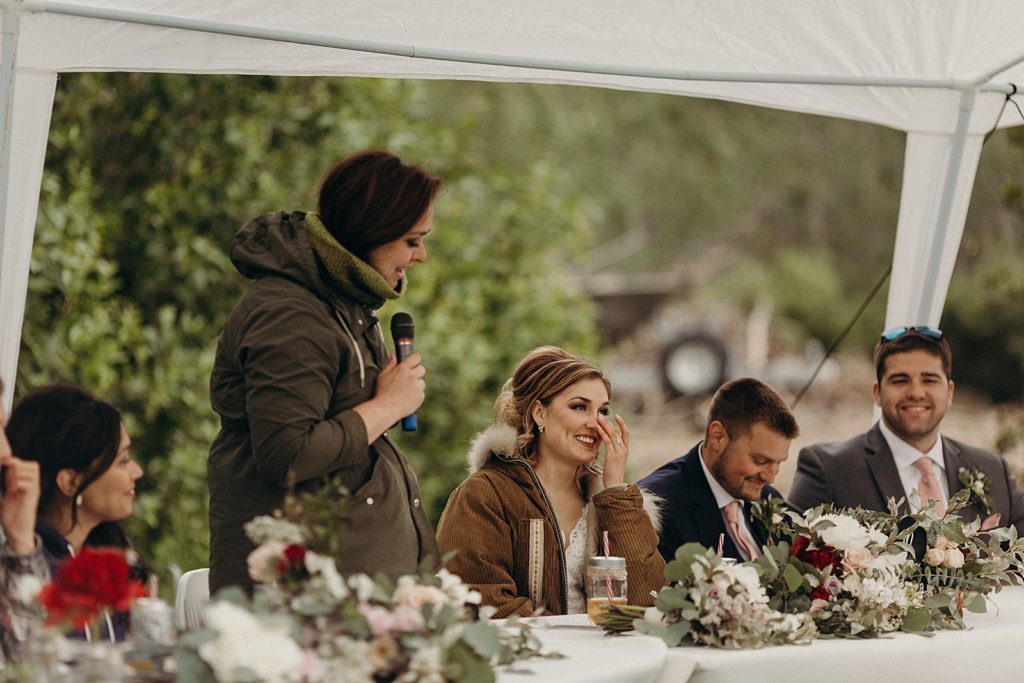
x,y
825,557
820,593
88,582
799,545
295,554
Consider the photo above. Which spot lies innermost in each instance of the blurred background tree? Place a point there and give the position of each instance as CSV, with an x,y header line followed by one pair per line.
x,y
148,176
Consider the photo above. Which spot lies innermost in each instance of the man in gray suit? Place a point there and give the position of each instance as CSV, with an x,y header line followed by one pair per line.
x,y
904,451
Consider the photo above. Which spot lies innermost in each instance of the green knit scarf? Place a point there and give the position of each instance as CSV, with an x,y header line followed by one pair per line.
x,y
356,278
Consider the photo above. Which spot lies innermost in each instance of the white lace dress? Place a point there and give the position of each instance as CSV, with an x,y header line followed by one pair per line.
x,y
576,566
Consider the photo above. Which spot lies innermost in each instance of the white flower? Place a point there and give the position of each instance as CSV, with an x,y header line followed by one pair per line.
x,y
328,570
943,543
954,558
460,592
653,615
846,533
363,586
345,660
747,577
934,557
890,563
25,588
818,606
244,643
424,667
260,560
267,528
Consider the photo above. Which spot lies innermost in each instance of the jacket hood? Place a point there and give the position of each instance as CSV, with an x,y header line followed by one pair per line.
x,y
495,441
277,244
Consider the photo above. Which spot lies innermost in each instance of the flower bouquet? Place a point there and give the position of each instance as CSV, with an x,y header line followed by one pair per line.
x,y
86,590
850,573
957,564
86,585
308,623
851,576
712,602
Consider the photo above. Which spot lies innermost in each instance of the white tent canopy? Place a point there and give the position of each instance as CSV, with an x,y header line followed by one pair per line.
x,y
940,70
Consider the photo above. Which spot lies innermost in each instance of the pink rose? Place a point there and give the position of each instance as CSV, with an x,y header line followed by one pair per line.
x,y
858,558
954,558
383,621
934,557
262,560
415,596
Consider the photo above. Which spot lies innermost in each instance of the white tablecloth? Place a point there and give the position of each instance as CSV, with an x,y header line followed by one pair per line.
x,y
590,656
991,650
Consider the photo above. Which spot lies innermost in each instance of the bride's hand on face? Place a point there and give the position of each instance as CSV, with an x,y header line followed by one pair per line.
x,y
616,449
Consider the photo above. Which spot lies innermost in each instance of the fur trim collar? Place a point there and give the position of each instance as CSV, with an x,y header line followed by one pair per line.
x,y
499,440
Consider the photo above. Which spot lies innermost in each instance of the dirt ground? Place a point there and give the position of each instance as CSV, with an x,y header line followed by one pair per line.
x,y
831,411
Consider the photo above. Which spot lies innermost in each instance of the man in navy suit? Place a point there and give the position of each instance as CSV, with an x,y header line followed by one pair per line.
x,y
904,452
708,491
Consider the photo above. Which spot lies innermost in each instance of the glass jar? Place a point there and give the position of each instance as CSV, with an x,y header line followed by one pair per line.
x,y
606,583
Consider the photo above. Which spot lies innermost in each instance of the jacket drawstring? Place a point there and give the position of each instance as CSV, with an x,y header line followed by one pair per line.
x,y
359,354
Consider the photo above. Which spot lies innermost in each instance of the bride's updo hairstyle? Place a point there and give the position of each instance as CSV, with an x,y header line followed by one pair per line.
x,y
544,373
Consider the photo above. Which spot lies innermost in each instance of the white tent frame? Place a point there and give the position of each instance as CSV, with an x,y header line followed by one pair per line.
x,y
940,158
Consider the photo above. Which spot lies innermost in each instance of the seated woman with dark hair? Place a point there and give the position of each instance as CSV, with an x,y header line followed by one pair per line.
x,y
87,473
20,554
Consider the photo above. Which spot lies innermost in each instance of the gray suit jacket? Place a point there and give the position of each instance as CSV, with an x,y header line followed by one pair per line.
x,y
861,472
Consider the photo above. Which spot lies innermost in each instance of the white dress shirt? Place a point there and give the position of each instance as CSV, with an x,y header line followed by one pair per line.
x,y
905,455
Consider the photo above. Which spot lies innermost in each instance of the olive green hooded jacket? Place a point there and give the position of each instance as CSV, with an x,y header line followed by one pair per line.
x,y
296,356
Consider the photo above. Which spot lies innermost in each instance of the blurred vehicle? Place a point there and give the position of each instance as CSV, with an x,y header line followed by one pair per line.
x,y
665,344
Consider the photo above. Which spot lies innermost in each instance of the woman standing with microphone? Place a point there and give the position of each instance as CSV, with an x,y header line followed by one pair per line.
x,y
303,381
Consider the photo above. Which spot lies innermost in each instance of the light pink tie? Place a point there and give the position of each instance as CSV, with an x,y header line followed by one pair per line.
x,y
929,489
738,530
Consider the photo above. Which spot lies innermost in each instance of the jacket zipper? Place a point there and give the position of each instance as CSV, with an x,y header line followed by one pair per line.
x,y
558,535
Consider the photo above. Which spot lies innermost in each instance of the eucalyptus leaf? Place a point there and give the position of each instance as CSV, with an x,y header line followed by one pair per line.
x,y
483,638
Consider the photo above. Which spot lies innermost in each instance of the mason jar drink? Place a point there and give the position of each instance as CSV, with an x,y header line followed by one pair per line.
x,y
606,584
152,622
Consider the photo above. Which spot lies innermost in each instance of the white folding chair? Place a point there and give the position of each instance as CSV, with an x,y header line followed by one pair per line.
x,y
190,597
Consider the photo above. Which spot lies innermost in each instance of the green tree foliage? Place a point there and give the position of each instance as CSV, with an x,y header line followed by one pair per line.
x,y
147,179
985,305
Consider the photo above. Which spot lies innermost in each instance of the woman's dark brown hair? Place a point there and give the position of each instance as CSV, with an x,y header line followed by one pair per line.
x,y
63,426
372,198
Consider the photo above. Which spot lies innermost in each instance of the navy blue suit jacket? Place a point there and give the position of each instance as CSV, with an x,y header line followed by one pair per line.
x,y
690,512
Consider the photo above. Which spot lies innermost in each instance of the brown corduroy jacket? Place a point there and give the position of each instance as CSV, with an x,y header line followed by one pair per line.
x,y
507,541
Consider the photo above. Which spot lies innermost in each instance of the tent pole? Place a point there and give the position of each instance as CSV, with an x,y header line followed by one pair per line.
x,y
992,73
374,47
8,59
956,154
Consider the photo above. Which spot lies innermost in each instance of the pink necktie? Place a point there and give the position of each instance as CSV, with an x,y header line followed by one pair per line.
x,y
929,489
738,530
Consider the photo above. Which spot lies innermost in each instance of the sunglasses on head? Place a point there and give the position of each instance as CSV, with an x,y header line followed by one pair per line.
x,y
897,332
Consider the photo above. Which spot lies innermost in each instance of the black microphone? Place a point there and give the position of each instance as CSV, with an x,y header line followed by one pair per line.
x,y
402,332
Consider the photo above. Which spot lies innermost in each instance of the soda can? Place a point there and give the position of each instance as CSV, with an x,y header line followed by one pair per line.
x,y
152,623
